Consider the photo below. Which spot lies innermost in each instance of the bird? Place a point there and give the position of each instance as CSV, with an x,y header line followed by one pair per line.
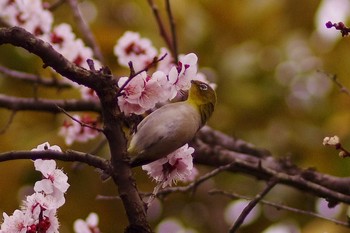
x,y
172,125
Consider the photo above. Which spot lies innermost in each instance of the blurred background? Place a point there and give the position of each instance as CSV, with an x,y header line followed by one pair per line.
x,y
272,61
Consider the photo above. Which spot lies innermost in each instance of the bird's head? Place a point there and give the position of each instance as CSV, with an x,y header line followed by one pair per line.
x,y
203,97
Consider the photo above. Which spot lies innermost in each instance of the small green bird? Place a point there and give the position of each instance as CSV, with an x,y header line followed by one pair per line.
x,y
172,126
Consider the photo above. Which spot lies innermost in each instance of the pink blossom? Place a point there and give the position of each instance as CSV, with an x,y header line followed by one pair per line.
x,y
16,223
143,92
90,225
46,146
168,61
128,108
65,42
29,15
42,210
36,19
53,178
61,35
131,47
38,214
9,12
180,76
178,165
73,131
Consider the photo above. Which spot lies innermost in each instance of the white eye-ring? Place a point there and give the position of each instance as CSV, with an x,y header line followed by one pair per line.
x,y
203,87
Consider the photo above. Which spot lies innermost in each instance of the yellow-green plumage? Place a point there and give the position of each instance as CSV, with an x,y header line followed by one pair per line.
x,y
172,126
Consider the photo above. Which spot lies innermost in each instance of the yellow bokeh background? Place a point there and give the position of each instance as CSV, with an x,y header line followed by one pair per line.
x,y
271,66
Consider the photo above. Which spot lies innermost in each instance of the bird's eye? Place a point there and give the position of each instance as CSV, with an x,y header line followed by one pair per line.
x,y
203,87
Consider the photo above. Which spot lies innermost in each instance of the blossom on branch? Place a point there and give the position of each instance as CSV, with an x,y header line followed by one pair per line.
x,y
46,146
65,42
131,47
39,211
78,130
54,181
178,165
143,92
29,15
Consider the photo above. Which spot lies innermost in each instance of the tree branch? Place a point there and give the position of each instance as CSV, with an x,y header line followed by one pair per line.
x,y
192,186
85,30
104,85
279,207
68,156
36,79
161,26
173,31
20,37
216,149
32,104
252,204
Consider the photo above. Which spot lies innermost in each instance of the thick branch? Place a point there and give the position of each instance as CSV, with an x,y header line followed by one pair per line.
x,y
32,104
104,86
121,171
216,149
19,37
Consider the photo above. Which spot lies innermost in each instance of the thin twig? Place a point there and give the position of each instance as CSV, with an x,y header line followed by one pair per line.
x,y
85,30
47,105
252,204
173,31
279,206
133,74
82,124
53,6
334,78
160,24
9,122
68,156
192,186
32,78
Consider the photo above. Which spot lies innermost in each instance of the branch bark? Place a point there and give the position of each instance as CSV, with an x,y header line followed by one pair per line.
x,y
47,105
68,156
105,88
21,38
213,148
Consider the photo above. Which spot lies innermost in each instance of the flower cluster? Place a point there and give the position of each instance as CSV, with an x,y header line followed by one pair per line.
x,y
75,130
32,16
331,141
29,15
178,165
65,42
38,212
131,47
139,94
144,91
